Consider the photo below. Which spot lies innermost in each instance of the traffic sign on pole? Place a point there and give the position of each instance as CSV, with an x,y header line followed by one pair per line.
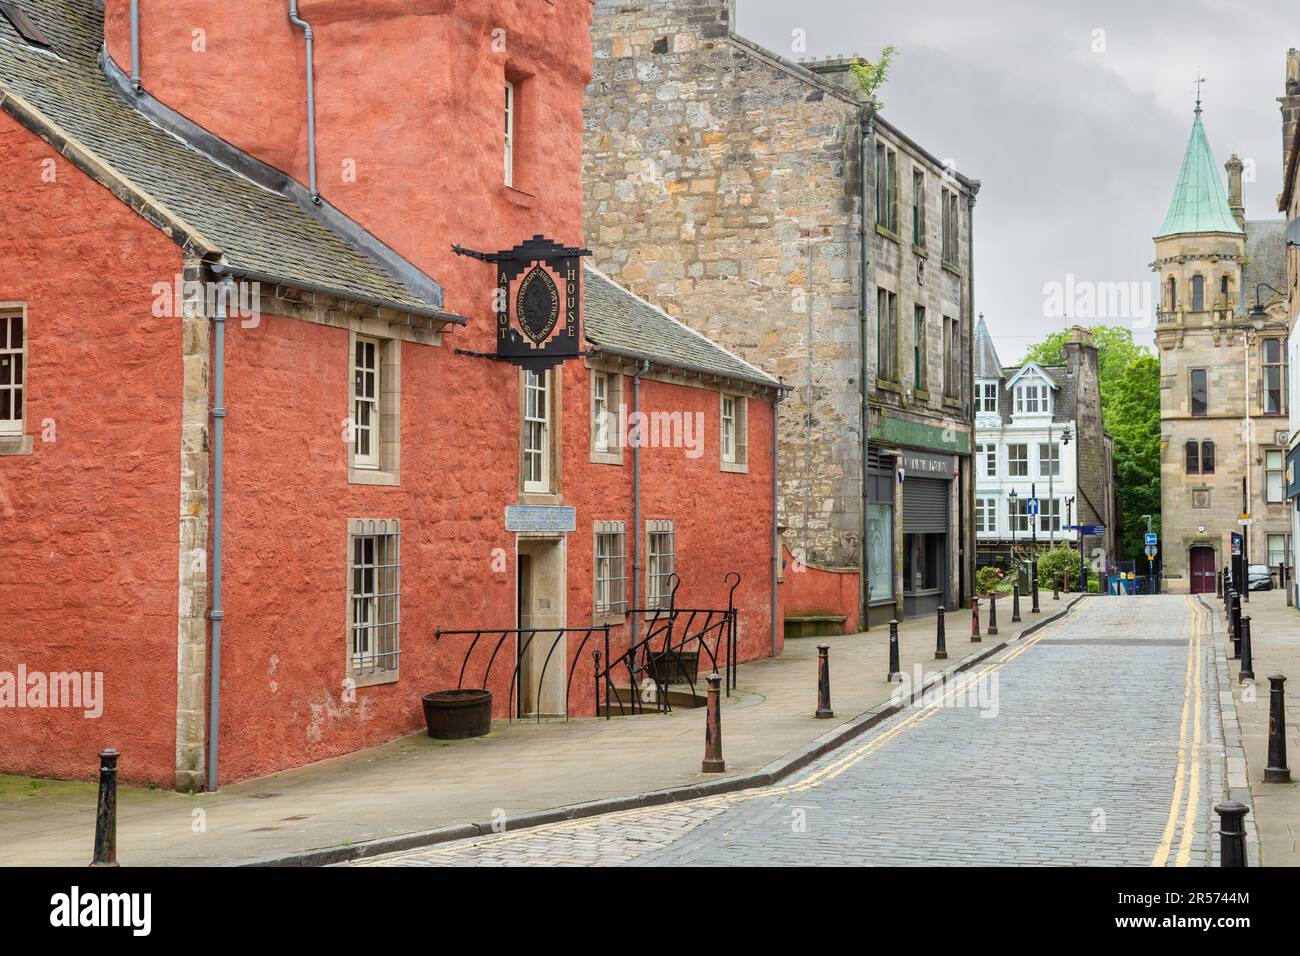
x,y
1152,540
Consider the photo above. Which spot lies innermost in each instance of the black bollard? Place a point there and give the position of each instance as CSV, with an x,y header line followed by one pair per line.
x,y
1232,833
1033,607
895,670
1277,771
824,682
713,762
105,853
1015,603
940,640
993,613
975,620
1234,623
1247,667
1056,591
1218,585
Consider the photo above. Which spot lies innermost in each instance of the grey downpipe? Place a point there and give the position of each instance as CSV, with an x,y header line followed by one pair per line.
x,y
636,505
135,45
218,447
311,97
864,590
776,542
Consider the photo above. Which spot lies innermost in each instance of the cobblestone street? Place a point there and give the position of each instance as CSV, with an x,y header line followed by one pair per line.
x,y
1096,741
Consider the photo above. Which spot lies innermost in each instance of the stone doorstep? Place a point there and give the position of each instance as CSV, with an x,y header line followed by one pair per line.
x,y
767,775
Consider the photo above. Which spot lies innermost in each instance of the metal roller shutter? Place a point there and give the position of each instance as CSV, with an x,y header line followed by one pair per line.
x,y
925,506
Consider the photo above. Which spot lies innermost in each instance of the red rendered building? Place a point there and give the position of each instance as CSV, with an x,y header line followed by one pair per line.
x,y
259,450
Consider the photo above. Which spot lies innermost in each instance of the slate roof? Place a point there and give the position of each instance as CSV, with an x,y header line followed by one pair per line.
x,y
258,231
1200,203
1265,260
987,364
617,321
1062,411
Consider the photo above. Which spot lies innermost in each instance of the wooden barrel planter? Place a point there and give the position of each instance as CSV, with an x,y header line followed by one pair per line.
x,y
457,714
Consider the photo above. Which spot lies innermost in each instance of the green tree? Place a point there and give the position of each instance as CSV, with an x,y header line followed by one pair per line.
x,y
1129,378
872,76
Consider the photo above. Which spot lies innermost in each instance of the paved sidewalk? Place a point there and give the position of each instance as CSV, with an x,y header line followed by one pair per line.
x,y
402,790
1275,644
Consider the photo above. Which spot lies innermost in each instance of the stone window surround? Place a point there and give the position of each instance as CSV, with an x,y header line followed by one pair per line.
x,y
1191,374
390,404
555,417
609,615
21,443
741,463
361,527
654,566
613,455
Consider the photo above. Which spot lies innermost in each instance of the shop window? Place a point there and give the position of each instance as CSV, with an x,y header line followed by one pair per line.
x,y
374,600
923,562
880,551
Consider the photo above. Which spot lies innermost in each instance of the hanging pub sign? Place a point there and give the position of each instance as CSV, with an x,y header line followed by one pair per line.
x,y
538,302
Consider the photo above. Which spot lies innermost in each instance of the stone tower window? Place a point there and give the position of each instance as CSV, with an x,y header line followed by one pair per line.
x,y
1193,450
1172,286
1200,392
1198,293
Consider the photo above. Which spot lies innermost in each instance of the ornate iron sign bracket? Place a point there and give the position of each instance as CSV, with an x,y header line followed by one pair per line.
x,y
538,301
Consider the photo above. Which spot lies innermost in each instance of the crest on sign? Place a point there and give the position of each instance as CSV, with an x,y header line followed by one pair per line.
x,y
539,298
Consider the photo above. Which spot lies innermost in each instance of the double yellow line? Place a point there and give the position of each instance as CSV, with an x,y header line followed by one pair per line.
x,y
1187,778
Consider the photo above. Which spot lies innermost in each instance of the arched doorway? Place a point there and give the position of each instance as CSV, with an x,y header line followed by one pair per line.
x,y
1202,565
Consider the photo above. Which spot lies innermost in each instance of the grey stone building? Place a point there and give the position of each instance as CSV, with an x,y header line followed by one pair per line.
x,y
1221,331
765,203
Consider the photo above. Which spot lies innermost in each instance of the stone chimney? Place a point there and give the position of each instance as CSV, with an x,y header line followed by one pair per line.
x,y
1234,167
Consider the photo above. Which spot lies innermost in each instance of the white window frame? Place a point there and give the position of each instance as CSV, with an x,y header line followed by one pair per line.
x,y
13,369
537,431
600,415
986,397
374,588
986,515
609,569
661,562
1049,466
1274,476
1029,399
733,439
510,108
986,458
1013,461
1018,514
1049,514
366,416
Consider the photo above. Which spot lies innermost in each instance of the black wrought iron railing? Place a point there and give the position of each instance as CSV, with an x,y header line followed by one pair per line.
x,y
675,646
522,645
675,643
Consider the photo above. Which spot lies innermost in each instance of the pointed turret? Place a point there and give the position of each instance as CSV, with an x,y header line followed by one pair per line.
x,y
987,364
1200,203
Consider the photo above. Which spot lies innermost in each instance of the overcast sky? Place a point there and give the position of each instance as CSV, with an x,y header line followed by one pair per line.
x,y
1075,133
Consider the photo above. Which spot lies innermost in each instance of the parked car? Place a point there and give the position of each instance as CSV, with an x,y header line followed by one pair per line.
x,y
1260,577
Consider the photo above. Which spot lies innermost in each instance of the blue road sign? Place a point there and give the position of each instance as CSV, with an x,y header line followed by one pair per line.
x,y
1031,506
1094,530
1152,540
